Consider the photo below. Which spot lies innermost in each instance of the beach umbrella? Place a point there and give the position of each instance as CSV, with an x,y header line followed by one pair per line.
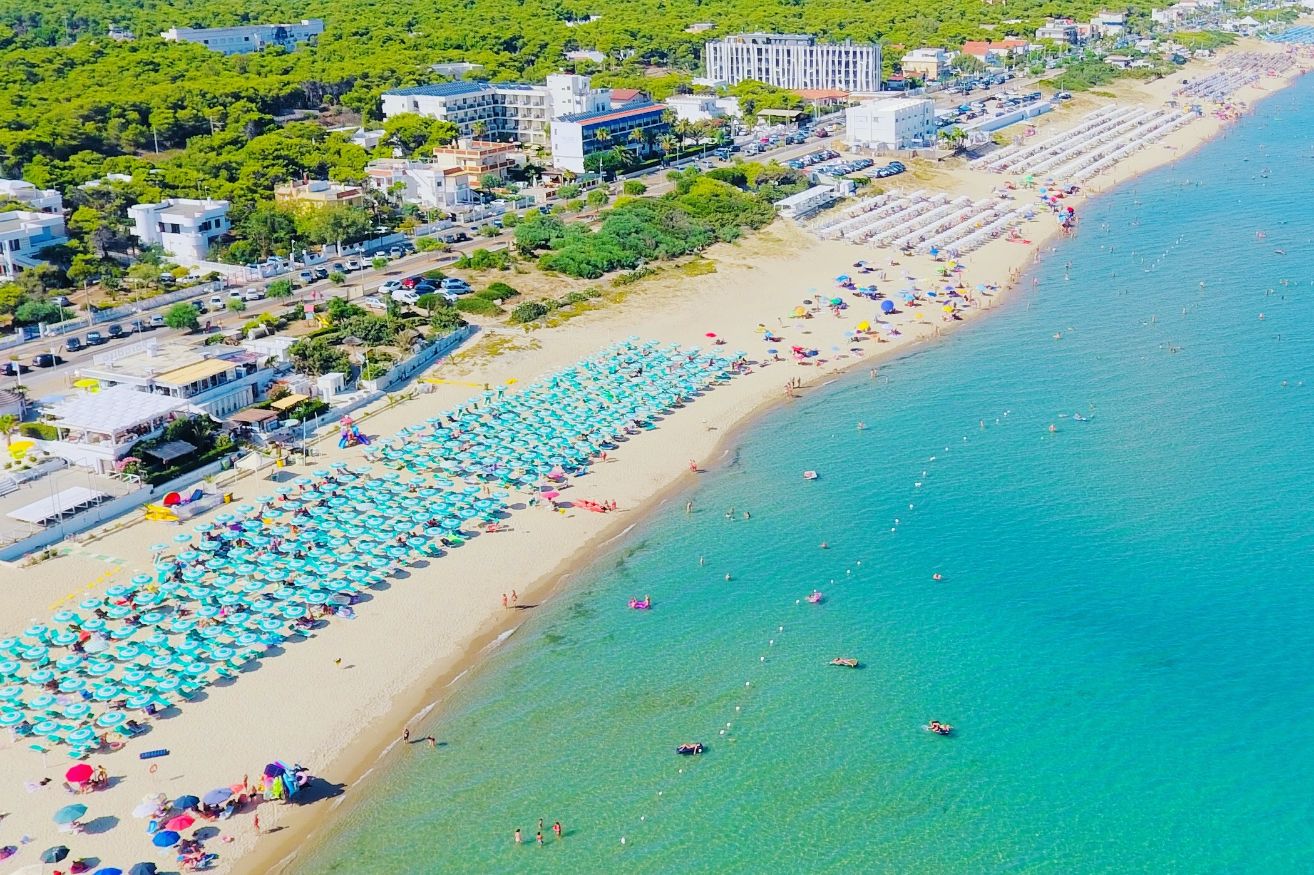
x,y
42,701
81,735
106,692
183,803
77,710
110,719
217,796
69,813
78,773
887,306
179,823
143,869
54,855
146,809
108,870
165,838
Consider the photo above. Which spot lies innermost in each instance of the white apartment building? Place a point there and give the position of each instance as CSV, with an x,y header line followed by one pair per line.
x,y
185,227
249,38
576,136
702,107
569,94
789,60
892,123
430,184
41,200
479,109
23,234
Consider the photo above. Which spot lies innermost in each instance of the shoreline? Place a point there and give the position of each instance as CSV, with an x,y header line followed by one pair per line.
x,y
346,744
429,704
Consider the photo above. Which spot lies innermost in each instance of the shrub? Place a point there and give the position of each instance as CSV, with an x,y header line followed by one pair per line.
x,y
633,276
427,244
337,277
567,191
379,262
39,430
235,305
574,298
434,274
498,292
446,320
279,289
528,312
634,188
598,197
484,259
478,306
182,316
574,205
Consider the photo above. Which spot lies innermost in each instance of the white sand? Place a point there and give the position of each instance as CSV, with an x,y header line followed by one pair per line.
x,y
430,625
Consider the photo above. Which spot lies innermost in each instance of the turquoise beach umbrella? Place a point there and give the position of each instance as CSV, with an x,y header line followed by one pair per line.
x,y
11,717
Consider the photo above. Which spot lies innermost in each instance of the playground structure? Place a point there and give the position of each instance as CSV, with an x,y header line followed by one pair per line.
x,y
351,435
176,508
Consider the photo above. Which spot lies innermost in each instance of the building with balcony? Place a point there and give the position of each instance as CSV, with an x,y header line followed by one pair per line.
x,y
479,157
893,123
40,200
927,64
479,109
789,60
185,227
636,127
315,193
425,183
1059,32
214,380
248,38
23,234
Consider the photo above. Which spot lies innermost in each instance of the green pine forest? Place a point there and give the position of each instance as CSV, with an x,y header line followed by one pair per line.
x,y
75,104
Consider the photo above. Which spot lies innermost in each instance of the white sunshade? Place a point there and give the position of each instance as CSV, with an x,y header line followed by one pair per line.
x,y
114,409
65,503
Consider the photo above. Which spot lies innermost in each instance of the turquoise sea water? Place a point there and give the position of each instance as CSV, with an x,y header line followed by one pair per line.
x,y
1122,637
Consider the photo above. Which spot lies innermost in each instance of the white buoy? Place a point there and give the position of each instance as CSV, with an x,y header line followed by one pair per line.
x,y
761,659
736,707
622,840
748,683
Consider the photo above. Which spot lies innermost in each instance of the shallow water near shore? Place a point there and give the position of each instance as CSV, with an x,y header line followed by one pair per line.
x,y
1120,637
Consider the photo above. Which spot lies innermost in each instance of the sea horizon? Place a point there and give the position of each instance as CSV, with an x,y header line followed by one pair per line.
x,y
1114,634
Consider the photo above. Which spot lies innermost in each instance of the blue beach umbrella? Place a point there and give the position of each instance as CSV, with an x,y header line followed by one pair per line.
x,y
11,717
111,719
165,838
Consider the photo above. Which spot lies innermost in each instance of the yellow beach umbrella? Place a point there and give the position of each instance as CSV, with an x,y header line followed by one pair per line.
x,y
18,449
799,311
864,326
948,308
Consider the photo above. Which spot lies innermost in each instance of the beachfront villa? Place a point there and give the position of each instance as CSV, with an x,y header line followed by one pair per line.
x,y
40,200
185,227
23,234
97,429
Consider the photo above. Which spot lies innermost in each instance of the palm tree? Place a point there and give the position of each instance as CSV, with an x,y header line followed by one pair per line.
x,y
478,129
602,135
8,425
668,144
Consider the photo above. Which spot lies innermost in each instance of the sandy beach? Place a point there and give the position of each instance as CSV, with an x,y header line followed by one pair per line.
x,y
338,702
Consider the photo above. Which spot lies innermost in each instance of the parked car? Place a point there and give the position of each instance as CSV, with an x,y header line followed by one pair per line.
x,y
374,302
406,296
353,264
13,369
46,360
157,321
396,252
338,267
95,338
321,273
115,331
73,344
198,305
454,285
411,281
389,286
137,326
305,277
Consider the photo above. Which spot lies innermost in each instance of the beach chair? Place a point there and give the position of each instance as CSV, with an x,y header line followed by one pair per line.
x,y
41,749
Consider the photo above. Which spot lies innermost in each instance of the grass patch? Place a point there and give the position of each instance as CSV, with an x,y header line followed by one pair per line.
x,y
698,267
489,347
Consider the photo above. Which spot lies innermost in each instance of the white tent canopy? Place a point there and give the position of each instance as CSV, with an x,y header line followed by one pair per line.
x,y
66,503
113,410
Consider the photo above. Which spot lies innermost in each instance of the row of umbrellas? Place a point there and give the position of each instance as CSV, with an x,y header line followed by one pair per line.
x,y
224,593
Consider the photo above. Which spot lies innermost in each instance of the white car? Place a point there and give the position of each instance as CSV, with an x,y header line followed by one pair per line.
x,y
405,296
353,264
374,302
253,295
390,287
216,303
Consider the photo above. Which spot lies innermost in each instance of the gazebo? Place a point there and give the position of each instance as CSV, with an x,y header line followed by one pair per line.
x,y
96,429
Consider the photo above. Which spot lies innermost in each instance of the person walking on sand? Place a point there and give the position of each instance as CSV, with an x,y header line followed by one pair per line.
x,y
406,734
504,601
256,823
514,597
